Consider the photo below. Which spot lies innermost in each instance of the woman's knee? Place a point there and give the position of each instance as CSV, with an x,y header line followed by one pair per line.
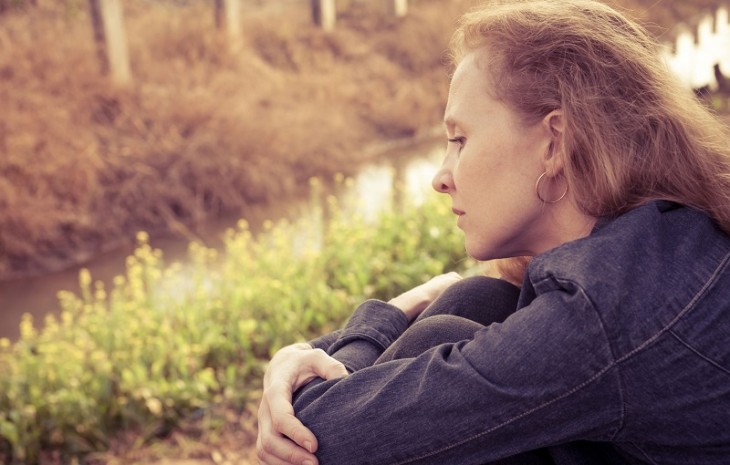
x,y
430,332
443,328
478,298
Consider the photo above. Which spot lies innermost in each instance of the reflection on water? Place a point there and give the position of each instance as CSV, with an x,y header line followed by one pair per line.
x,y
372,191
379,186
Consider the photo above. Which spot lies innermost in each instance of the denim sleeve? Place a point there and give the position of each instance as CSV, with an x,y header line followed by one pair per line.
x,y
326,340
371,329
545,376
375,321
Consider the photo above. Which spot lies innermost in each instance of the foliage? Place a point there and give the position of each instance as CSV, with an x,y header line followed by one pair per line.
x,y
167,340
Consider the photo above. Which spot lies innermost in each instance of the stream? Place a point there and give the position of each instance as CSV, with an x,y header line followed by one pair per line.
x,y
371,192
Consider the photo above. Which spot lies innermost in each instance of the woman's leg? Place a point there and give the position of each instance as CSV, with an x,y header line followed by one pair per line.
x,y
427,333
462,310
478,298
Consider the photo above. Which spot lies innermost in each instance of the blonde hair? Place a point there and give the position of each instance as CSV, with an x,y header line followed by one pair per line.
x,y
634,132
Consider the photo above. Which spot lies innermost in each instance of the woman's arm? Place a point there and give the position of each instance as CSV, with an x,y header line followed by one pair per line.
x,y
412,303
282,438
281,434
544,376
326,340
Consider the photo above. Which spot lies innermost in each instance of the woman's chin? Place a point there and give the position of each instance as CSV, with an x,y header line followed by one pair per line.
x,y
479,252
483,252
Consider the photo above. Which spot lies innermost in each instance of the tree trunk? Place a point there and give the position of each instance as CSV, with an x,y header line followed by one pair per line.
x,y
398,8
324,14
111,40
228,20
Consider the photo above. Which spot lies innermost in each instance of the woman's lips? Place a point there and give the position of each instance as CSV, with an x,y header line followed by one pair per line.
x,y
460,215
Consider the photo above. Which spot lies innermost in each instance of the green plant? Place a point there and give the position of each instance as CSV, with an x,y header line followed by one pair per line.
x,y
169,339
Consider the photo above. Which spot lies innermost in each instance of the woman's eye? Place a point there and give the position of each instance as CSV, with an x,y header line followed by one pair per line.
x,y
458,140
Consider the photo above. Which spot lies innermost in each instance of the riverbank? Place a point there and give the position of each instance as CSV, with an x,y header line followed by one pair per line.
x,y
202,132
166,347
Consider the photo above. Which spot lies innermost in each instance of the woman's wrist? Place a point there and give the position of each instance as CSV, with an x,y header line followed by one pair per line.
x,y
411,302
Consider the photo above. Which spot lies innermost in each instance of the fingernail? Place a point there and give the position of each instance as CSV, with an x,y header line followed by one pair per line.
x,y
308,446
308,462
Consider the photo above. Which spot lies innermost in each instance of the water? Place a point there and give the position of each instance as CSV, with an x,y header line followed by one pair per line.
x,y
372,191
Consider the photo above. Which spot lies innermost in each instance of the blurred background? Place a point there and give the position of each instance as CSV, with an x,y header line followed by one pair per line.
x,y
181,117
206,125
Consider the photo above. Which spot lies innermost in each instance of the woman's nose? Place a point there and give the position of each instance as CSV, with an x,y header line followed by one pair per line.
x,y
443,181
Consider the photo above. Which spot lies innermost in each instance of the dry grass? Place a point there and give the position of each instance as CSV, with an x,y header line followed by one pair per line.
x,y
202,130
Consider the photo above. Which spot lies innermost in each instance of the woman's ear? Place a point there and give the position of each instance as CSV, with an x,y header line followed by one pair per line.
x,y
553,159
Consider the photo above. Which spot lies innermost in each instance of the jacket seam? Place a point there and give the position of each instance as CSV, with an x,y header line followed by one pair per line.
x,y
619,382
645,454
350,337
698,353
687,308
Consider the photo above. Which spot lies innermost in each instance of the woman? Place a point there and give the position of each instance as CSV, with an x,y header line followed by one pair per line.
x,y
568,142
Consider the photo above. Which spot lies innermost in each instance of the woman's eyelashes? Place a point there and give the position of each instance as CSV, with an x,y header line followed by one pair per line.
x,y
458,140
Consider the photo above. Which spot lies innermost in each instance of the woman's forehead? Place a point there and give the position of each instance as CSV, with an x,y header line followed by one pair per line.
x,y
471,76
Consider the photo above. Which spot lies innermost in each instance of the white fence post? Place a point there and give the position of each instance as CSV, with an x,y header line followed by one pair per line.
x,y
324,14
699,48
722,29
108,22
398,8
228,19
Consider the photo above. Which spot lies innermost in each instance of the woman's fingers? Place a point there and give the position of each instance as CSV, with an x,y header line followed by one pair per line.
x,y
274,446
282,438
283,421
325,366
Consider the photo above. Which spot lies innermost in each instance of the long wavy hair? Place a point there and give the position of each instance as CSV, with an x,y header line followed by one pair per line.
x,y
634,133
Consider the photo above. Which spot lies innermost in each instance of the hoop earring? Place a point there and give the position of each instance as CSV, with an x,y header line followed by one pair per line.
x,y
537,191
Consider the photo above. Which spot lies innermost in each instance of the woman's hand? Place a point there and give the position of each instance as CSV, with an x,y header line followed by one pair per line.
x,y
282,438
414,301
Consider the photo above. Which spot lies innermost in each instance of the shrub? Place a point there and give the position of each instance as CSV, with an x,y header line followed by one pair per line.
x,y
167,340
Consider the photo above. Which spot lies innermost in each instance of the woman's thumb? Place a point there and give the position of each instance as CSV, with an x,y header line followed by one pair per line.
x,y
329,368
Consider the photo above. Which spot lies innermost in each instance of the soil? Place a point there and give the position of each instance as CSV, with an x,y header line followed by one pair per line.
x,y
232,443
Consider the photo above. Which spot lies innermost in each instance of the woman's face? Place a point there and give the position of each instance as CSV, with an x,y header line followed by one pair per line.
x,y
492,163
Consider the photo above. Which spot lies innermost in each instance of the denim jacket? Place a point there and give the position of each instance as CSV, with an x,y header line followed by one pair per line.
x,y
622,337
